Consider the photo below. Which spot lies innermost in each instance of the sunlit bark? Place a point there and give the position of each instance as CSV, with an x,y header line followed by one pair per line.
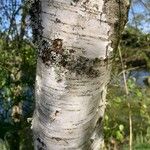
x,y
76,39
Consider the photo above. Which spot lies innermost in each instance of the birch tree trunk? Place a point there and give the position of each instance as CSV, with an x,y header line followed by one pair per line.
x,y
76,39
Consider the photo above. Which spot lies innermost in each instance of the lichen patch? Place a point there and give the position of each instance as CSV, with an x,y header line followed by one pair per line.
x,y
53,53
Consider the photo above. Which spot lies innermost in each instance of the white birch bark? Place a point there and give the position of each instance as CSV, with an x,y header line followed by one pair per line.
x,y
73,69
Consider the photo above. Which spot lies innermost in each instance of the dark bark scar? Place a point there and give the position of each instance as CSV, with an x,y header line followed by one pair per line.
x,y
86,2
58,20
75,1
40,141
57,45
56,113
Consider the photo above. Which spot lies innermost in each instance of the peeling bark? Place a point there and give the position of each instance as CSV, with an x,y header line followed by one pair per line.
x,y
75,39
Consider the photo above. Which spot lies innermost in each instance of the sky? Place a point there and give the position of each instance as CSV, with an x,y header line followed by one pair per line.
x,y
139,11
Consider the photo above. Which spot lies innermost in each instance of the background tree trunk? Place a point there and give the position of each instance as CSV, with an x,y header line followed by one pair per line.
x,y
76,39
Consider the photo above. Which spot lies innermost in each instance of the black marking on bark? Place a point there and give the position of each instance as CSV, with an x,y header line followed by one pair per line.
x,y
59,80
56,112
71,51
101,18
91,140
57,139
86,2
41,142
38,139
40,148
75,1
99,121
58,20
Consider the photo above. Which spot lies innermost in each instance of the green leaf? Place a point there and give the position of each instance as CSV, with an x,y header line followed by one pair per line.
x,y
119,136
121,127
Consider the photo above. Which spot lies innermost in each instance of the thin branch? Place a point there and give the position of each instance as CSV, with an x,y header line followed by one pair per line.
x,y
144,5
130,69
123,72
127,92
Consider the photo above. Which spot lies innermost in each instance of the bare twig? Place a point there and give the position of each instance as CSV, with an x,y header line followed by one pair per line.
x,y
127,92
